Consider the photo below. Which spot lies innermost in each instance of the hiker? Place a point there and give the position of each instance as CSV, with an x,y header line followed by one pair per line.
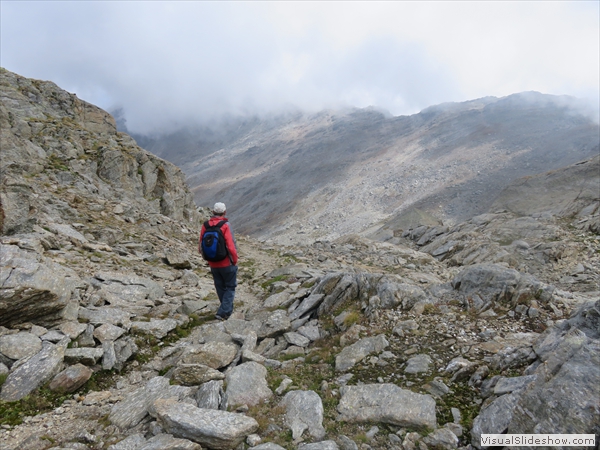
x,y
222,258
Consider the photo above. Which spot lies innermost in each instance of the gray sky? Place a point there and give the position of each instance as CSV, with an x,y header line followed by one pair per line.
x,y
168,63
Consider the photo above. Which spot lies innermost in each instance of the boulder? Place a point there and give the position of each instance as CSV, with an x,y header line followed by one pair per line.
x,y
32,288
84,355
20,345
133,408
71,379
482,285
210,395
212,354
158,328
34,372
387,403
356,352
418,364
304,412
194,374
247,384
168,442
218,430
276,324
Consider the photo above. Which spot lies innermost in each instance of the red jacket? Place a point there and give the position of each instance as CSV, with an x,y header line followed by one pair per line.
x,y
229,242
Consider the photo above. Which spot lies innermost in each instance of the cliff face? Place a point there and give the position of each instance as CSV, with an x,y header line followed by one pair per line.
x,y
62,158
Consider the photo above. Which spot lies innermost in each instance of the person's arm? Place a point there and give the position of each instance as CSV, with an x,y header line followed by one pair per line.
x,y
230,243
202,230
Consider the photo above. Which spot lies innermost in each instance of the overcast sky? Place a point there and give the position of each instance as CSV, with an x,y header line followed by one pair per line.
x,y
167,63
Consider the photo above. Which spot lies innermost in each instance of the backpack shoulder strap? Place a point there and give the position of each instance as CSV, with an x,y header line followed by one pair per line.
x,y
221,223
206,225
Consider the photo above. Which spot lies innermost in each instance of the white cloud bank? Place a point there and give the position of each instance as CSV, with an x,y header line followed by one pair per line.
x,y
169,63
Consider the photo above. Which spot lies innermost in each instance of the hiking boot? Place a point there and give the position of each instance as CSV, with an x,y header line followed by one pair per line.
x,y
218,317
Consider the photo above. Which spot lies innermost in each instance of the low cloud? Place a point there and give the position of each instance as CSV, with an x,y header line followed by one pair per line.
x,y
168,64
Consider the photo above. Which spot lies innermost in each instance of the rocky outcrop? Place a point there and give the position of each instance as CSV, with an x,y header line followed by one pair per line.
x,y
33,287
53,142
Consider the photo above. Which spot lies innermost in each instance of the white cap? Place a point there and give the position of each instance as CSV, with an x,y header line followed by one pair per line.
x,y
219,208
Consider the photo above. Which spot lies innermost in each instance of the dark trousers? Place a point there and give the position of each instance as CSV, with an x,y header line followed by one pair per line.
x,y
225,279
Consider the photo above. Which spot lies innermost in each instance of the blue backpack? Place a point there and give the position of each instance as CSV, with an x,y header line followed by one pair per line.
x,y
213,242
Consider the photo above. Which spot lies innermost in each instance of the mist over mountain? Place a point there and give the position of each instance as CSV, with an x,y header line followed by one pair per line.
x,y
352,171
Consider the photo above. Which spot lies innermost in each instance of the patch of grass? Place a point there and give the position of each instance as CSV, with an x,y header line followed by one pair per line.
x,y
38,402
57,164
352,318
164,370
268,283
100,381
429,309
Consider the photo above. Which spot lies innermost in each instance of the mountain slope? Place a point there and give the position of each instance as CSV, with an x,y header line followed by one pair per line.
x,y
336,173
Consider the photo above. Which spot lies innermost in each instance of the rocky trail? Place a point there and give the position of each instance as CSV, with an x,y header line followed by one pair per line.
x,y
422,339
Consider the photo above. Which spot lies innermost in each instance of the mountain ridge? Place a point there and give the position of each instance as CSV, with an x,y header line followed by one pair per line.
x,y
353,170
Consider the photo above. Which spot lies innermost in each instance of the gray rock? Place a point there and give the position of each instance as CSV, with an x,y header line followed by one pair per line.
x,y
386,403
268,446
168,442
485,284
507,385
296,339
418,364
102,315
158,328
109,355
308,304
247,355
192,306
84,355
277,300
71,379
212,354
35,372
404,326
323,445
494,418
132,409
108,332
72,329
177,258
86,339
125,348
247,384
19,345
195,374
210,395
210,428
311,332
345,443
436,388
32,288
442,438
304,412
118,281
133,442
53,336
356,352
564,396
276,324
69,232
